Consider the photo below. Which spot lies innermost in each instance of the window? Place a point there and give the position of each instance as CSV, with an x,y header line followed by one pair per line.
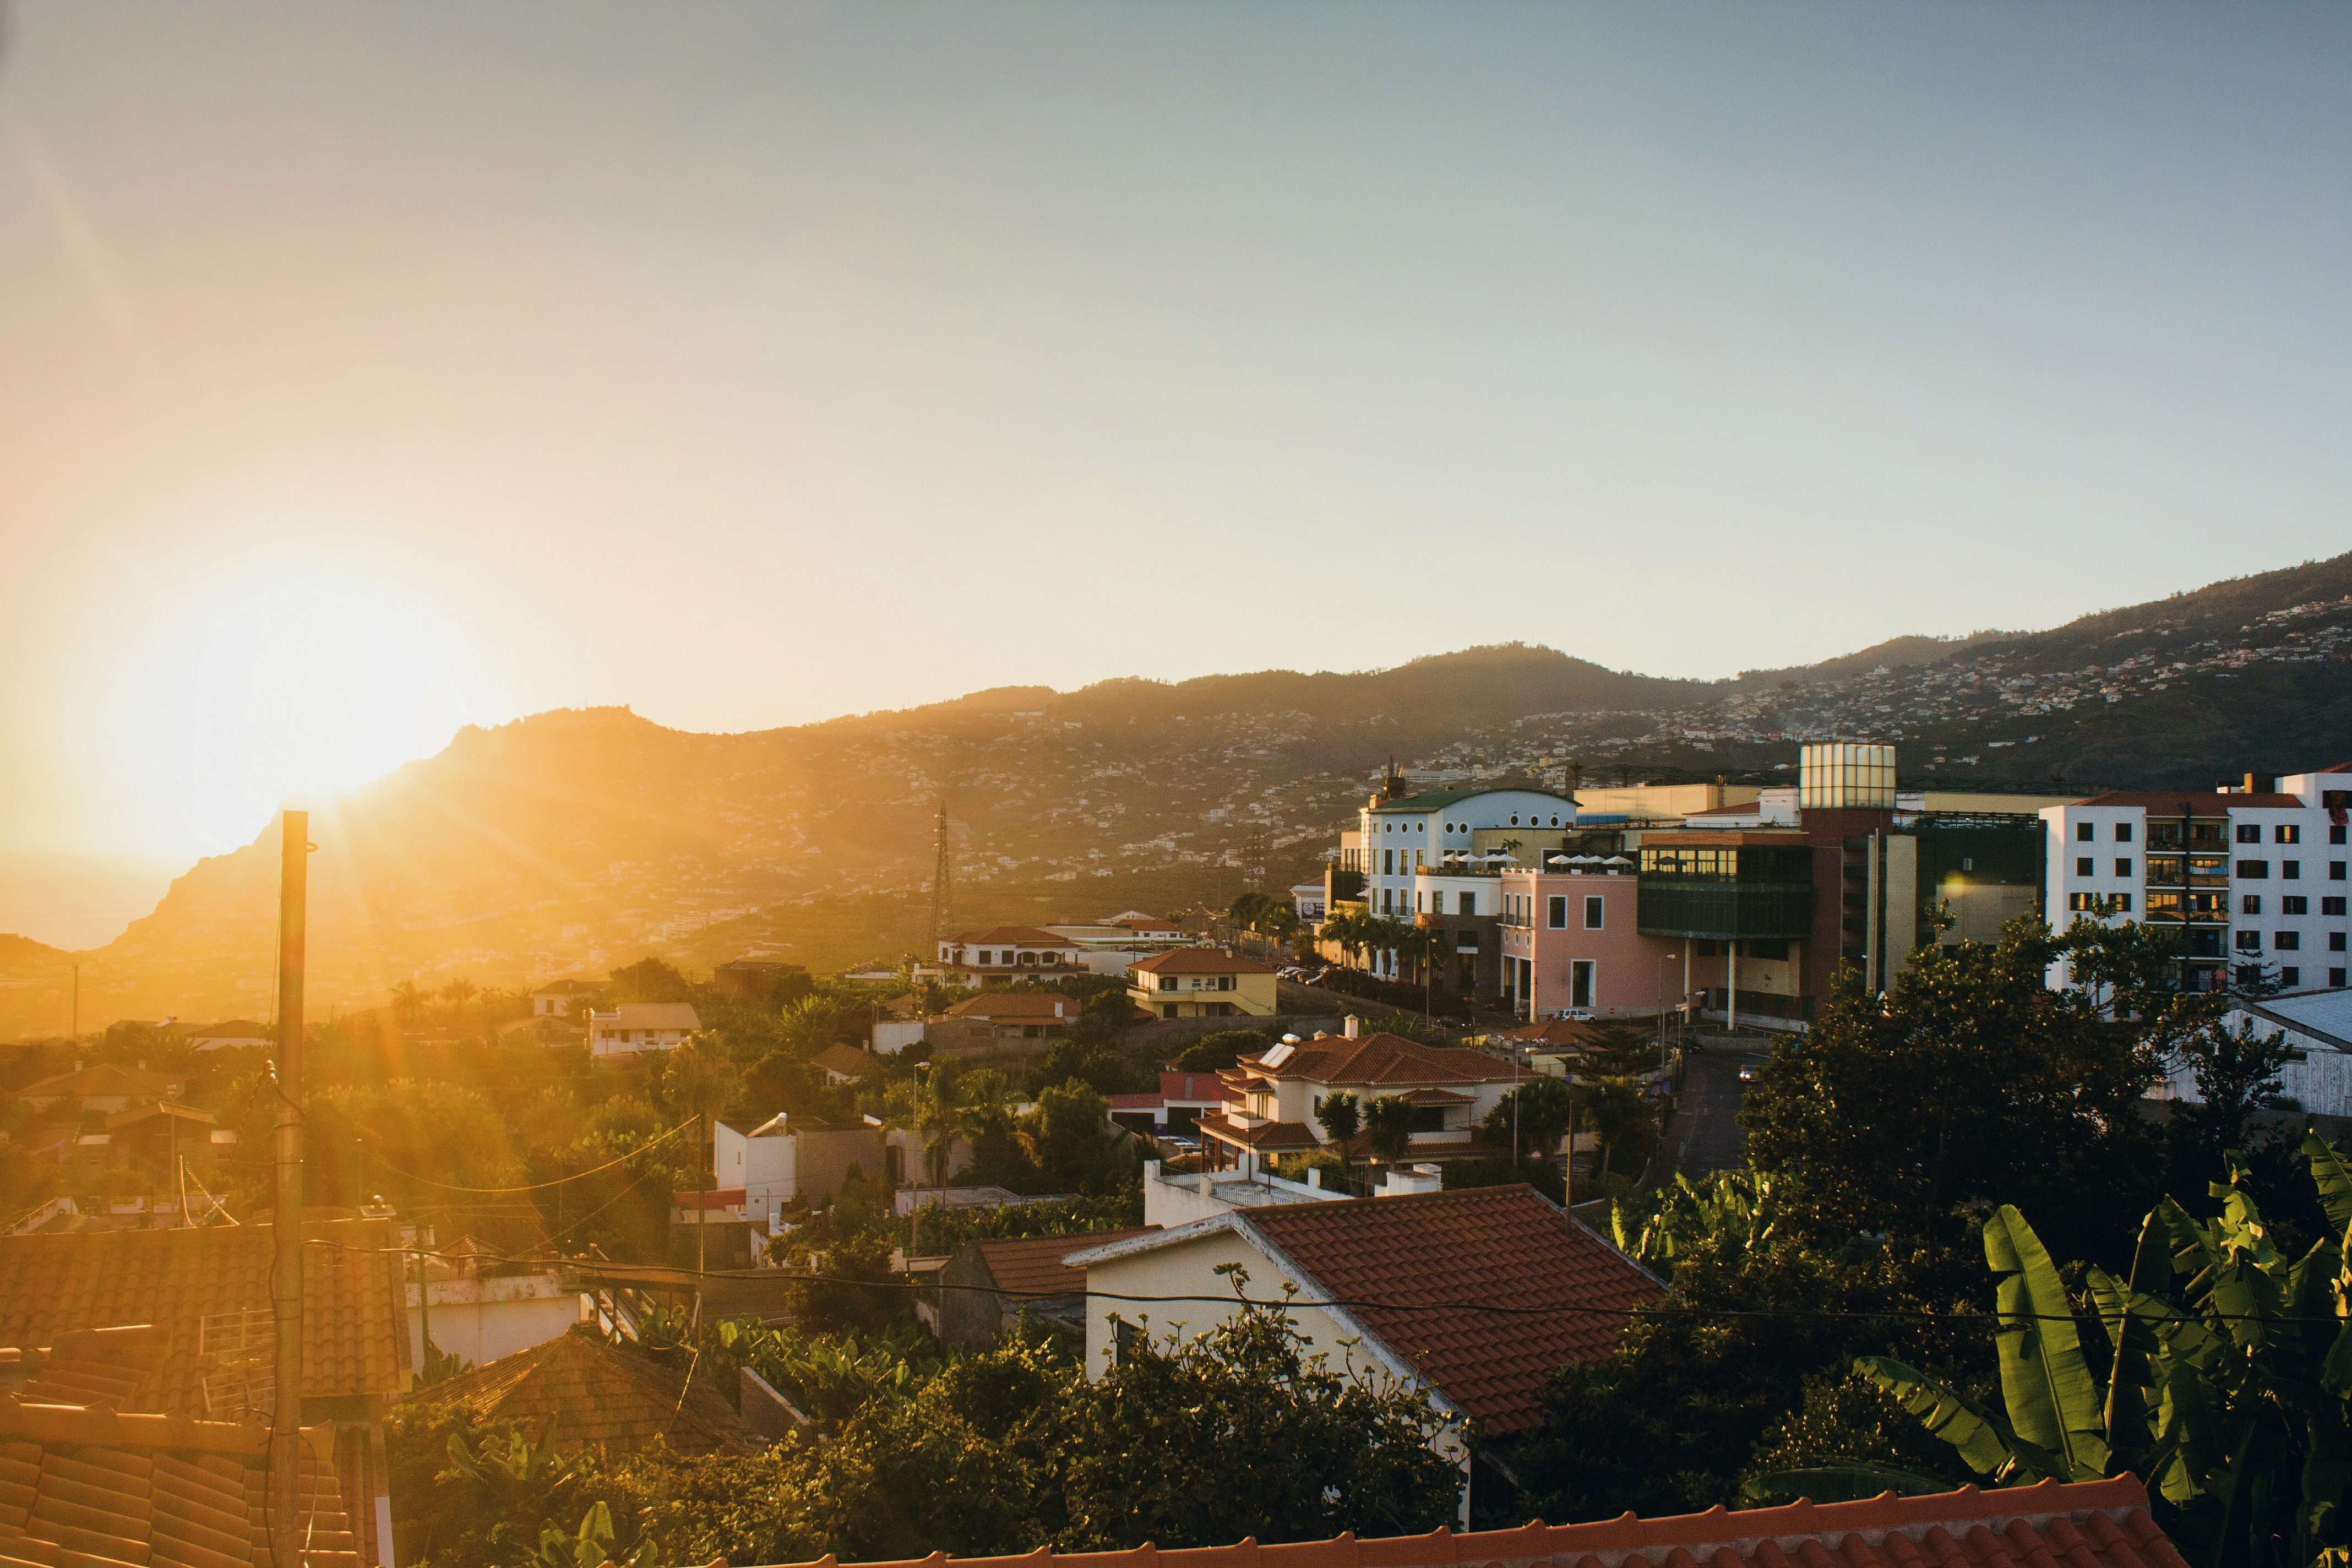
x,y
1594,908
2290,870
2084,866
2331,906
2286,833
2286,940
1418,856
2249,974
2294,904
2290,976
1168,1009
1558,913
2123,832
2118,903
1388,862
2083,903
1387,900
1030,958
1421,827
2336,978
2249,833
1469,903
2336,836
2122,868
2252,904
2250,942
2336,942
1167,982
2253,870
1580,982
2086,832
2335,867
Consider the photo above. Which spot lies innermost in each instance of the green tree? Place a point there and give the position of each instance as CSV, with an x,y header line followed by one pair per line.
x,y
1221,1048
1341,1114
1532,1119
1389,1120
1970,1081
1068,1136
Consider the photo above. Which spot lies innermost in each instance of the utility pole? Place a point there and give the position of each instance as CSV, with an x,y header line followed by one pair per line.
x,y
77,1003
286,1264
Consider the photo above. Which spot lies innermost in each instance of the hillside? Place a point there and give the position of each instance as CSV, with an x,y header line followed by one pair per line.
x,y
575,840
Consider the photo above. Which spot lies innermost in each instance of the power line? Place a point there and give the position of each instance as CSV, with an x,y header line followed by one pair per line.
x,y
536,1186
617,1271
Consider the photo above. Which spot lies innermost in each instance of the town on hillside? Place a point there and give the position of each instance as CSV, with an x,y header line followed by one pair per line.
x,y
1465,1145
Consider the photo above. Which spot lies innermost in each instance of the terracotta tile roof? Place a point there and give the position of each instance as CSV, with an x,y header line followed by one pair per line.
x,y
1031,1268
1010,936
1383,1060
1200,960
105,1078
1264,1135
650,1016
597,1395
847,1061
1504,1245
1025,1006
2085,1524
109,1367
1183,1088
203,1287
1437,1097
82,1488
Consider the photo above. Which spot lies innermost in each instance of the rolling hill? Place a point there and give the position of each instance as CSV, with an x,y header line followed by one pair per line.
x,y
575,840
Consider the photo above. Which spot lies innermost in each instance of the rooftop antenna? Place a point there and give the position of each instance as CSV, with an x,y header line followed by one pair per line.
x,y
943,884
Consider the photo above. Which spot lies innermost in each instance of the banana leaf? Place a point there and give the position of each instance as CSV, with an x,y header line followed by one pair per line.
x,y
1985,1439
2052,1399
2334,1179
2130,1320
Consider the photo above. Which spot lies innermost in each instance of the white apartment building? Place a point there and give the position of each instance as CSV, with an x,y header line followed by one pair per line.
x,y
1414,835
2255,874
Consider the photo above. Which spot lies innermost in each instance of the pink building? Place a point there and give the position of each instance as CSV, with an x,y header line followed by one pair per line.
x,y
1572,944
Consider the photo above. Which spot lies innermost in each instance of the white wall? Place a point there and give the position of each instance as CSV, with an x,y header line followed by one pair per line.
x,y
483,1319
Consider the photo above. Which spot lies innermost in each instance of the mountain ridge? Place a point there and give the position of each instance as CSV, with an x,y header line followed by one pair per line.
x,y
573,839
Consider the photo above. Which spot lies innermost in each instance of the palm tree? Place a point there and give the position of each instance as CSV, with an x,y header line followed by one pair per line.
x,y
407,1002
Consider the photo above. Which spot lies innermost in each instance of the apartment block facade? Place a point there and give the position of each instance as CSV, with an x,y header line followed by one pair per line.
x,y
2252,876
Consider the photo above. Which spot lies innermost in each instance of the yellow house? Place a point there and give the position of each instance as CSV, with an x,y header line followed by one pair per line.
x,y
1202,982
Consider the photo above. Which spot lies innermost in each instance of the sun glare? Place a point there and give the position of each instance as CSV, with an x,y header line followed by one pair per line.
x,y
281,688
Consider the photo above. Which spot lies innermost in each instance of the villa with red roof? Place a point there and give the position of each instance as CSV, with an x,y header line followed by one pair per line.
x,y
1281,1091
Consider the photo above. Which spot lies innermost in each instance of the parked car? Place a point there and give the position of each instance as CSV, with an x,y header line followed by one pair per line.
x,y
1748,1072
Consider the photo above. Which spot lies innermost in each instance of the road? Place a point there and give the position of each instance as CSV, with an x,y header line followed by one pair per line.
x,y
1702,1136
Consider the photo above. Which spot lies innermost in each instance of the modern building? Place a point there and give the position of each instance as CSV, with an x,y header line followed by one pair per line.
x,y
1203,983
2252,876
634,1026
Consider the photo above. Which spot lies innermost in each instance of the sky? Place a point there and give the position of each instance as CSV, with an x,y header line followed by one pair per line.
x,y
367,371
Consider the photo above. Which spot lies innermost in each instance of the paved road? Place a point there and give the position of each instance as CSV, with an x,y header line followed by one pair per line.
x,y
1703,1135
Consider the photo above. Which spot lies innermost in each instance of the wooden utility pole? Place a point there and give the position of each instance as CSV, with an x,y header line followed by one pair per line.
x,y
285,1263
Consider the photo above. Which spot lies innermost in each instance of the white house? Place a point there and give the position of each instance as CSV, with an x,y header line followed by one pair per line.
x,y
635,1026
1279,1091
1375,1282
1405,835
1006,953
783,1161
2252,875
557,1000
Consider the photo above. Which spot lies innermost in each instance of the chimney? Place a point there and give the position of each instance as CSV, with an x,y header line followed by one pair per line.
x,y
1351,1028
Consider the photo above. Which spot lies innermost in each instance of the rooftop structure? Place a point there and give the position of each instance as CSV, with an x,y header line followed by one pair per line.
x,y
592,1395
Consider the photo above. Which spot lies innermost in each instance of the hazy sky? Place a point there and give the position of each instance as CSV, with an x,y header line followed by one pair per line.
x,y
425,363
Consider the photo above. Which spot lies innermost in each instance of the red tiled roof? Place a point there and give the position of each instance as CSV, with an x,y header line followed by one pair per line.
x,y
1011,936
1026,1006
2195,803
1501,1245
597,1396
845,1059
1264,1135
109,1367
1437,1097
82,1485
1195,1087
188,1282
1031,1268
1200,960
1383,1060
2081,1524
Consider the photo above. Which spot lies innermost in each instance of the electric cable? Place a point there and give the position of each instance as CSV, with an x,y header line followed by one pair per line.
x,y
536,1186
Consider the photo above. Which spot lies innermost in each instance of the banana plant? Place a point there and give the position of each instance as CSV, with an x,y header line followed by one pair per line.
x,y
591,1546
1734,1205
2228,1385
